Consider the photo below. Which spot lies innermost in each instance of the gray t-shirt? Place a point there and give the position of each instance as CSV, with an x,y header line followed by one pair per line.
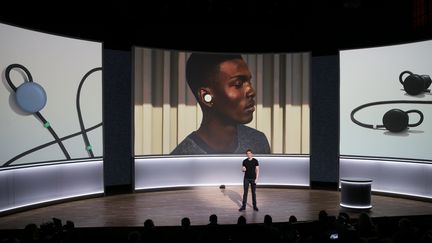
x,y
247,138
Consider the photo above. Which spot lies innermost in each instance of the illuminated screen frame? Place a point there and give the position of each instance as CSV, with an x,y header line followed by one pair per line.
x,y
155,172
161,91
29,185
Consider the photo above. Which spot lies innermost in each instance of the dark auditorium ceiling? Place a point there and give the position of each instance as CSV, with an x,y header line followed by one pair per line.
x,y
232,25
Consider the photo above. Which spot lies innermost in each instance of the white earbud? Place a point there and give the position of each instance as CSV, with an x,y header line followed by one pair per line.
x,y
208,98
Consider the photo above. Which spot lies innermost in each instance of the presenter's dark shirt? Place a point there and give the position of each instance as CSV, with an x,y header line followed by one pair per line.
x,y
250,168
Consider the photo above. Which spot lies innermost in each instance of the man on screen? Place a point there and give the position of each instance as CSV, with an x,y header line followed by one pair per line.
x,y
222,86
250,167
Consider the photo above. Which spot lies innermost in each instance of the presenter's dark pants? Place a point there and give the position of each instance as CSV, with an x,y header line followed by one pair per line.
x,y
246,183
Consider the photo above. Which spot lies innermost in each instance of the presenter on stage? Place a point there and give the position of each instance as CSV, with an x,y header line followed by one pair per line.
x,y
251,172
222,86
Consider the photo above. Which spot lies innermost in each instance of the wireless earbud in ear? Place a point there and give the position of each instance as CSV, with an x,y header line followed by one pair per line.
x,y
415,84
208,98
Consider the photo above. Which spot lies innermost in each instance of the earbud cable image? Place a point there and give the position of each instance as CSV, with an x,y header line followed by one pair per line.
x,y
78,107
47,125
383,103
38,114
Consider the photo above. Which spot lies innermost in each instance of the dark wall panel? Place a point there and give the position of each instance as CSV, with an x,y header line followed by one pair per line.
x,y
324,167
117,102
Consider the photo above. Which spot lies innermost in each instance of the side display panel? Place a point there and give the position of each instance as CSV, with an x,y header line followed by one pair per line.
x,y
51,97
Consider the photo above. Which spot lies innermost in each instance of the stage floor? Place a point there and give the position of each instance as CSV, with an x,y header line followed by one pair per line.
x,y
167,208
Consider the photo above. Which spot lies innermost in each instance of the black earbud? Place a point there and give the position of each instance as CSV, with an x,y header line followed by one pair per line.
x,y
397,120
415,84
394,120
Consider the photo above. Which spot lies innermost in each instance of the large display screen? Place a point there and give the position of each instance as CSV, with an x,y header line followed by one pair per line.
x,y
385,101
190,103
51,97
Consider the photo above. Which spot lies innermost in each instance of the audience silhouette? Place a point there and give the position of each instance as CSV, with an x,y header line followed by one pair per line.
x,y
326,229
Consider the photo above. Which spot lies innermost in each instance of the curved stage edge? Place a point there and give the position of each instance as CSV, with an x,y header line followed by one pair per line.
x,y
28,186
157,172
33,185
396,178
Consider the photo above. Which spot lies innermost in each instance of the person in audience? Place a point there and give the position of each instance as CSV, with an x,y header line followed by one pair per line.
x,y
149,234
324,228
268,220
344,221
385,230
213,220
290,232
427,236
292,219
31,233
134,237
241,232
69,233
221,84
344,229
323,220
241,220
212,232
270,233
185,223
70,225
149,224
407,232
187,233
365,227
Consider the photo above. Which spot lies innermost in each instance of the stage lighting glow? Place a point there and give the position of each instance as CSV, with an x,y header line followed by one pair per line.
x,y
169,171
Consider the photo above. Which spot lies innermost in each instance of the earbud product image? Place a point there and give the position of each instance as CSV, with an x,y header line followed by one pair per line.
x,y
397,120
31,98
415,84
394,120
